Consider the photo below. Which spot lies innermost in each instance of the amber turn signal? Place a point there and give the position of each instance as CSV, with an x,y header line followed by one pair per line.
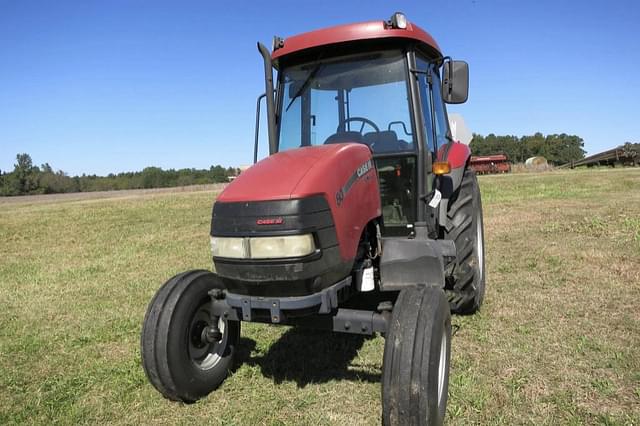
x,y
441,168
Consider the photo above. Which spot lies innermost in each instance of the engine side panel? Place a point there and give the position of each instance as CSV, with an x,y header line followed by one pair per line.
x,y
349,182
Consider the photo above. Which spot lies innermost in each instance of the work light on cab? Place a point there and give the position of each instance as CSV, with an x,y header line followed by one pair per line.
x,y
399,21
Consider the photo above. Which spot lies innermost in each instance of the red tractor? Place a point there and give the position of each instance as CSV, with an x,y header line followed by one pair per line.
x,y
365,218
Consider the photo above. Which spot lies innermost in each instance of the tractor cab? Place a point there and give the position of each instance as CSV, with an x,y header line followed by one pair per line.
x,y
376,84
361,98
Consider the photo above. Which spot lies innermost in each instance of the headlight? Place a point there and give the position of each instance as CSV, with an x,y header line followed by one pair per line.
x,y
277,247
263,247
228,247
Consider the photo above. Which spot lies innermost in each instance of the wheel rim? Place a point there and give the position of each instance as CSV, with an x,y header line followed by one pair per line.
x,y
480,244
442,366
204,355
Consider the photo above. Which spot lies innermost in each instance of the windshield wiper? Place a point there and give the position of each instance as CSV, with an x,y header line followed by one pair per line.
x,y
306,82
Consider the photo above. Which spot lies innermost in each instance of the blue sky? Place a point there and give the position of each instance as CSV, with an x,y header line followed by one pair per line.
x,y
110,86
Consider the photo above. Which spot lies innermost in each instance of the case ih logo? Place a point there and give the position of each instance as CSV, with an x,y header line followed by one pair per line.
x,y
364,168
270,221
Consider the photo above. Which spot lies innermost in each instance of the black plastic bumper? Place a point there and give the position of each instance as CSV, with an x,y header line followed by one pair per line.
x,y
280,277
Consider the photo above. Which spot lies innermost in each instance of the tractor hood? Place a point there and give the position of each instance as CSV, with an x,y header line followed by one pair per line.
x,y
330,191
295,173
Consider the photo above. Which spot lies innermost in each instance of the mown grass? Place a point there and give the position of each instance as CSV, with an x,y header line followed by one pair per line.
x,y
556,342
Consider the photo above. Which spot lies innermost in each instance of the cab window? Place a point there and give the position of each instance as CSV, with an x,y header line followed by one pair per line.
x,y
356,98
435,116
441,124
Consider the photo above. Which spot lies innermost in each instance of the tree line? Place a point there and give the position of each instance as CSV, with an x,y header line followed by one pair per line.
x,y
27,178
557,148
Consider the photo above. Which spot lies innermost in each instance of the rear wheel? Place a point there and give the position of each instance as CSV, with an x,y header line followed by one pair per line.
x,y
180,356
466,281
415,377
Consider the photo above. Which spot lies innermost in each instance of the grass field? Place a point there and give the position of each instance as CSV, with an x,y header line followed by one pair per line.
x,y
557,341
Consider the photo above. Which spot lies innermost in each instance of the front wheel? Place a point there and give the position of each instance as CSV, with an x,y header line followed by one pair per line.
x,y
417,349
180,356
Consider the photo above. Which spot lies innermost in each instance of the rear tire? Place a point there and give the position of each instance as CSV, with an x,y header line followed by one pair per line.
x,y
466,281
415,372
179,363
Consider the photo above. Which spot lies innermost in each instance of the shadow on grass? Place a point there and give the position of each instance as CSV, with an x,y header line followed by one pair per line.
x,y
310,356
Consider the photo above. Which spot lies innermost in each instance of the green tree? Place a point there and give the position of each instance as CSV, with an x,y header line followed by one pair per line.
x,y
564,148
153,177
25,175
218,174
58,182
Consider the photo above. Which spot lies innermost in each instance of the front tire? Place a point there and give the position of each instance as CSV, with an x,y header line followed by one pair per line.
x,y
466,282
417,350
179,362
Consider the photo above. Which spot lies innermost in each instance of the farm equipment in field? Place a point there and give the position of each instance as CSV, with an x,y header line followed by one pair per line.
x,y
623,155
365,218
486,164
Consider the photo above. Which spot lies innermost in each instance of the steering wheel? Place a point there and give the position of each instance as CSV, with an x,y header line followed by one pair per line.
x,y
362,120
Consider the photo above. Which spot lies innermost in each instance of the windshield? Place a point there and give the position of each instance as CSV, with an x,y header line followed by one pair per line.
x,y
358,98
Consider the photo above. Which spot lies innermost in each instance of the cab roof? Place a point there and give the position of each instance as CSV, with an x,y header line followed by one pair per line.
x,y
353,33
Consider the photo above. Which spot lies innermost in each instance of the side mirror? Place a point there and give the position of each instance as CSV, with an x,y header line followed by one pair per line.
x,y
455,82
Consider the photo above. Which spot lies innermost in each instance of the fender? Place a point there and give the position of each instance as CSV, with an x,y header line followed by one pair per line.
x,y
458,155
419,261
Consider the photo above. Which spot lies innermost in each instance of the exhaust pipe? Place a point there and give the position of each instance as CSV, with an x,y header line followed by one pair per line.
x,y
271,105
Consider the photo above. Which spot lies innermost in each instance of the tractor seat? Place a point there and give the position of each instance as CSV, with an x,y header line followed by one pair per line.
x,y
343,137
385,141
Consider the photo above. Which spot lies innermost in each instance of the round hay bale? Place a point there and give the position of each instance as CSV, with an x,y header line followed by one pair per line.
x,y
536,162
